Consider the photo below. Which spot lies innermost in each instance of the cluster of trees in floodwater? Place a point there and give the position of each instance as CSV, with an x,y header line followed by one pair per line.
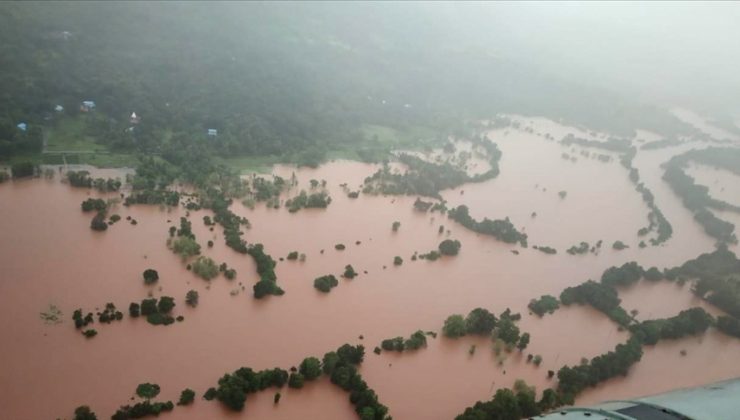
x,y
157,311
416,341
501,229
146,408
716,285
84,180
429,178
657,222
340,366
154,52
714,277
100,207
696,197
480,321
154,177
218,187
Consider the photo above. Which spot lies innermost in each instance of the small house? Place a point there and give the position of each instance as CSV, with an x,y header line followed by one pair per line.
x,y
58,108
22,126
87,106
212,132
134,118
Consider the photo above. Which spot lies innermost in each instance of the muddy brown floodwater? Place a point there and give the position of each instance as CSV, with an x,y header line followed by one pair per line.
x,y
49,255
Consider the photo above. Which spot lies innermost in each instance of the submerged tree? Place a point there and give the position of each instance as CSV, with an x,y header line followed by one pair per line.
x,y
480,321
191,298
546,304
325,283
186,247
205,268
84,413
187,396
147,390
449,247
507,331
98,222
296,380
310,368
454,326
349,272
266,287
150,276
523,342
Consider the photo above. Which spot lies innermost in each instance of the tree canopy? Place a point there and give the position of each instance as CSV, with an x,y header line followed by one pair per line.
x,y
325,283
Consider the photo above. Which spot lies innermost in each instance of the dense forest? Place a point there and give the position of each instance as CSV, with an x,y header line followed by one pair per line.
x,y
287,80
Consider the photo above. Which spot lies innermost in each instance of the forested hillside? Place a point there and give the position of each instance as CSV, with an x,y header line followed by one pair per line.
x,y
293,80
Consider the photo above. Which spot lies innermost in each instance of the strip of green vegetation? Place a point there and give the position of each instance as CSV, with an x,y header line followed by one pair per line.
x,y
502,230
519,402
546,249
656,220
100,160
416,341
482,322
688,322
696,197
34,158
715,281
612,144
340,366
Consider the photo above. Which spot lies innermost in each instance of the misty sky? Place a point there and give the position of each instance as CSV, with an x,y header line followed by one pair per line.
x,y
663,51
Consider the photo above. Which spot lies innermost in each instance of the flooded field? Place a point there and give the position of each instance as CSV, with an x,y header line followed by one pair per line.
x,y
704,126
528,193
643,296
723,185
49,256
673,364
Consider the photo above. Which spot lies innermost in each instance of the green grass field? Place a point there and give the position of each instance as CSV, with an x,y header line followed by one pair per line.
x,y
249,164
68,135
394,138
109,160
34,157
